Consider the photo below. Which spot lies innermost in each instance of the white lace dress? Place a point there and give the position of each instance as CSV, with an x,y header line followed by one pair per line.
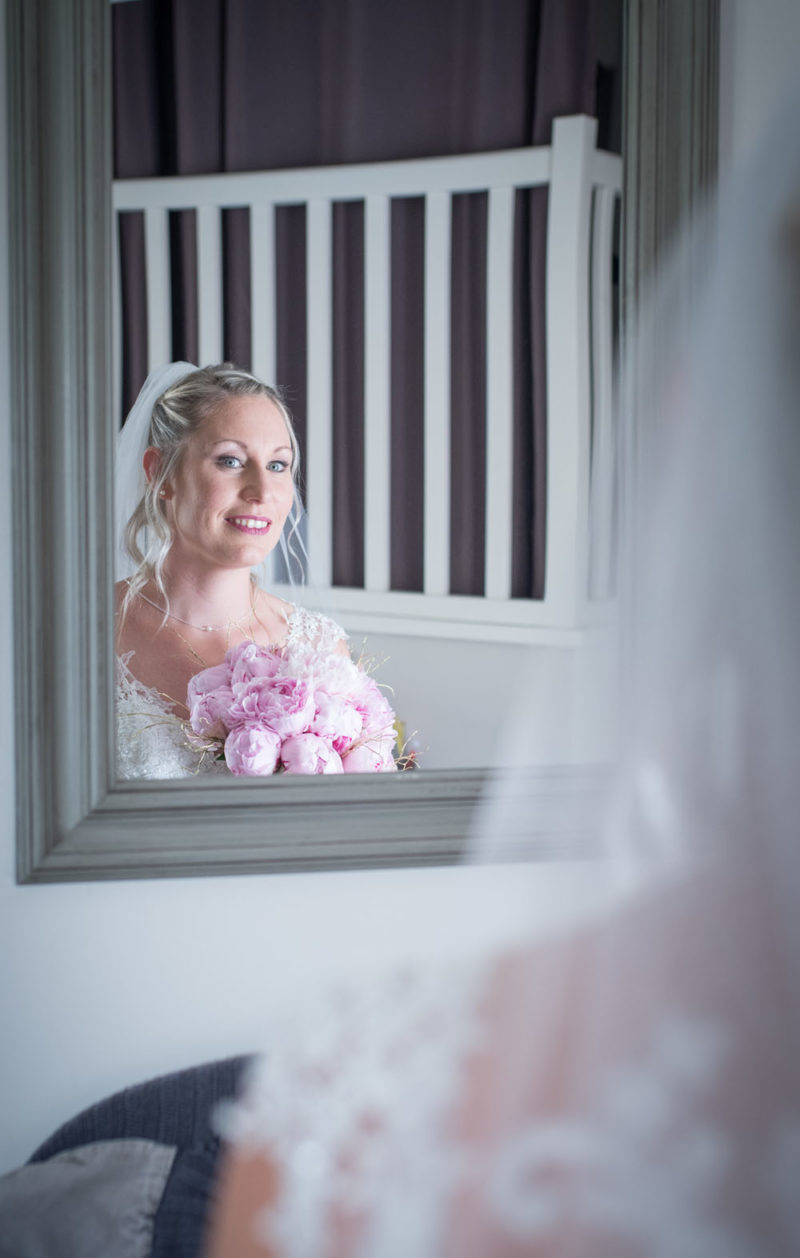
x,y
152,740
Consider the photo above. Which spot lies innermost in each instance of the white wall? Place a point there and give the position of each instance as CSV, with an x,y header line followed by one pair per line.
x,y
759,59
456,698
105,984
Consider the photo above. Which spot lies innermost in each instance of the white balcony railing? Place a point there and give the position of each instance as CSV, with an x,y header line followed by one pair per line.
x,y
583,189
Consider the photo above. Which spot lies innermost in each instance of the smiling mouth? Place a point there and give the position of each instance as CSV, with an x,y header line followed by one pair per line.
x,y
255,525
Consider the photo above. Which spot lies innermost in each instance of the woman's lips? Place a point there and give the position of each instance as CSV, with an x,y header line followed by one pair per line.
x,y
253,525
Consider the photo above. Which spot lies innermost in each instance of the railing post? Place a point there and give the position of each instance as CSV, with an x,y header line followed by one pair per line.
x,y
377,393
568,365
499,394
159,338
209,284
320,388
262,290
437,393
602,410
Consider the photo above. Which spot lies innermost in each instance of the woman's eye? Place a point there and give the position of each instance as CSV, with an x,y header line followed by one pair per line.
x,y
277,465
229,460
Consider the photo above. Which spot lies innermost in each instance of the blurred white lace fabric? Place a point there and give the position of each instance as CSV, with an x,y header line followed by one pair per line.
x,y
500,1108
629,1086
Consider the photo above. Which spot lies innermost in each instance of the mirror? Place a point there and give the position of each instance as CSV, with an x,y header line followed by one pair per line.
x,y
419,527
74,820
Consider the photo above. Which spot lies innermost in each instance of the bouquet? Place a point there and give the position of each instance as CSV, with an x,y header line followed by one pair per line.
x,y
269,711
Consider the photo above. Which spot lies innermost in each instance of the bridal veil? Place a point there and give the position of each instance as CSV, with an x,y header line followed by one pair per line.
x,y
629,1085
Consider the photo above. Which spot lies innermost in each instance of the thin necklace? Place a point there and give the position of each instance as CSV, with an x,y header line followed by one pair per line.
x,y
229,624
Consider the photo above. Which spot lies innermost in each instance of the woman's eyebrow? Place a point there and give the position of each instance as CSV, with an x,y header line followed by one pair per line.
x,y
233,441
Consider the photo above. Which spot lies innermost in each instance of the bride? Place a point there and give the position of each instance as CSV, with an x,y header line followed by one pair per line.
x,y
630,1086
206,468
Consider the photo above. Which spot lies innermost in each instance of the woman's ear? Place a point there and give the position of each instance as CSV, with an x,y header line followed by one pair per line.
x,y
151,462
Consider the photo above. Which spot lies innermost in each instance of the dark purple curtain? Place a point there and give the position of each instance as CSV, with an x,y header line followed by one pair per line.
x,y
220,85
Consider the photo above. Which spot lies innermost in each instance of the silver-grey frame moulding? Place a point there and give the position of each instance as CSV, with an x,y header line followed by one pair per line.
x,y
74,821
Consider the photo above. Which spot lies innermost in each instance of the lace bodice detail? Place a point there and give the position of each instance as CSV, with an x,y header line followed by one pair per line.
x,y
361,1105
353,1099
153,742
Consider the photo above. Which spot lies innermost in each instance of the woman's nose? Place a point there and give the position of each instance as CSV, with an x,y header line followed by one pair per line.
x,y
257,485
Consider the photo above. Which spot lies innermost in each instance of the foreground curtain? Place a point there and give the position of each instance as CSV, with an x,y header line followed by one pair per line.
x,y
203,86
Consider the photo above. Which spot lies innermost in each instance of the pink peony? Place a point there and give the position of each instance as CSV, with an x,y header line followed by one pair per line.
x,y
252,752
279,720
376,710
307,753
337,720
283,704
289,707
209,698
338,675
249,660
251,702
370,757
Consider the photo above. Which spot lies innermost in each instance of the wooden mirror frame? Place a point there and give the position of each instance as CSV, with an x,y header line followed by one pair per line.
x,y
74,821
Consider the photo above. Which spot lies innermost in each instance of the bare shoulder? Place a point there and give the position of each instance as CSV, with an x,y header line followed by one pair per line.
x,y
273,614
137,626
124,619
274,605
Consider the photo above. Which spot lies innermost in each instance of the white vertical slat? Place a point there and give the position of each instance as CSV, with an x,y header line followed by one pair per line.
x,y
116,329
159,314
568,385
436,548
209,284
377,399
263,298
262,291
602,468
319,305
499,393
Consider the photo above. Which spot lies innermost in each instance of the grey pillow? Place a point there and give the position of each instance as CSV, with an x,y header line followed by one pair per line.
x,y
89,1202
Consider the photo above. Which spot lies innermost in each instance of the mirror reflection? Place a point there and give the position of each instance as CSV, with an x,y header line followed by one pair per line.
x,y
388,224
216,674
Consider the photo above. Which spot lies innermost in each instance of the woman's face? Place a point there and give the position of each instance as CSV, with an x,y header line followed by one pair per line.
x,y
229,498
